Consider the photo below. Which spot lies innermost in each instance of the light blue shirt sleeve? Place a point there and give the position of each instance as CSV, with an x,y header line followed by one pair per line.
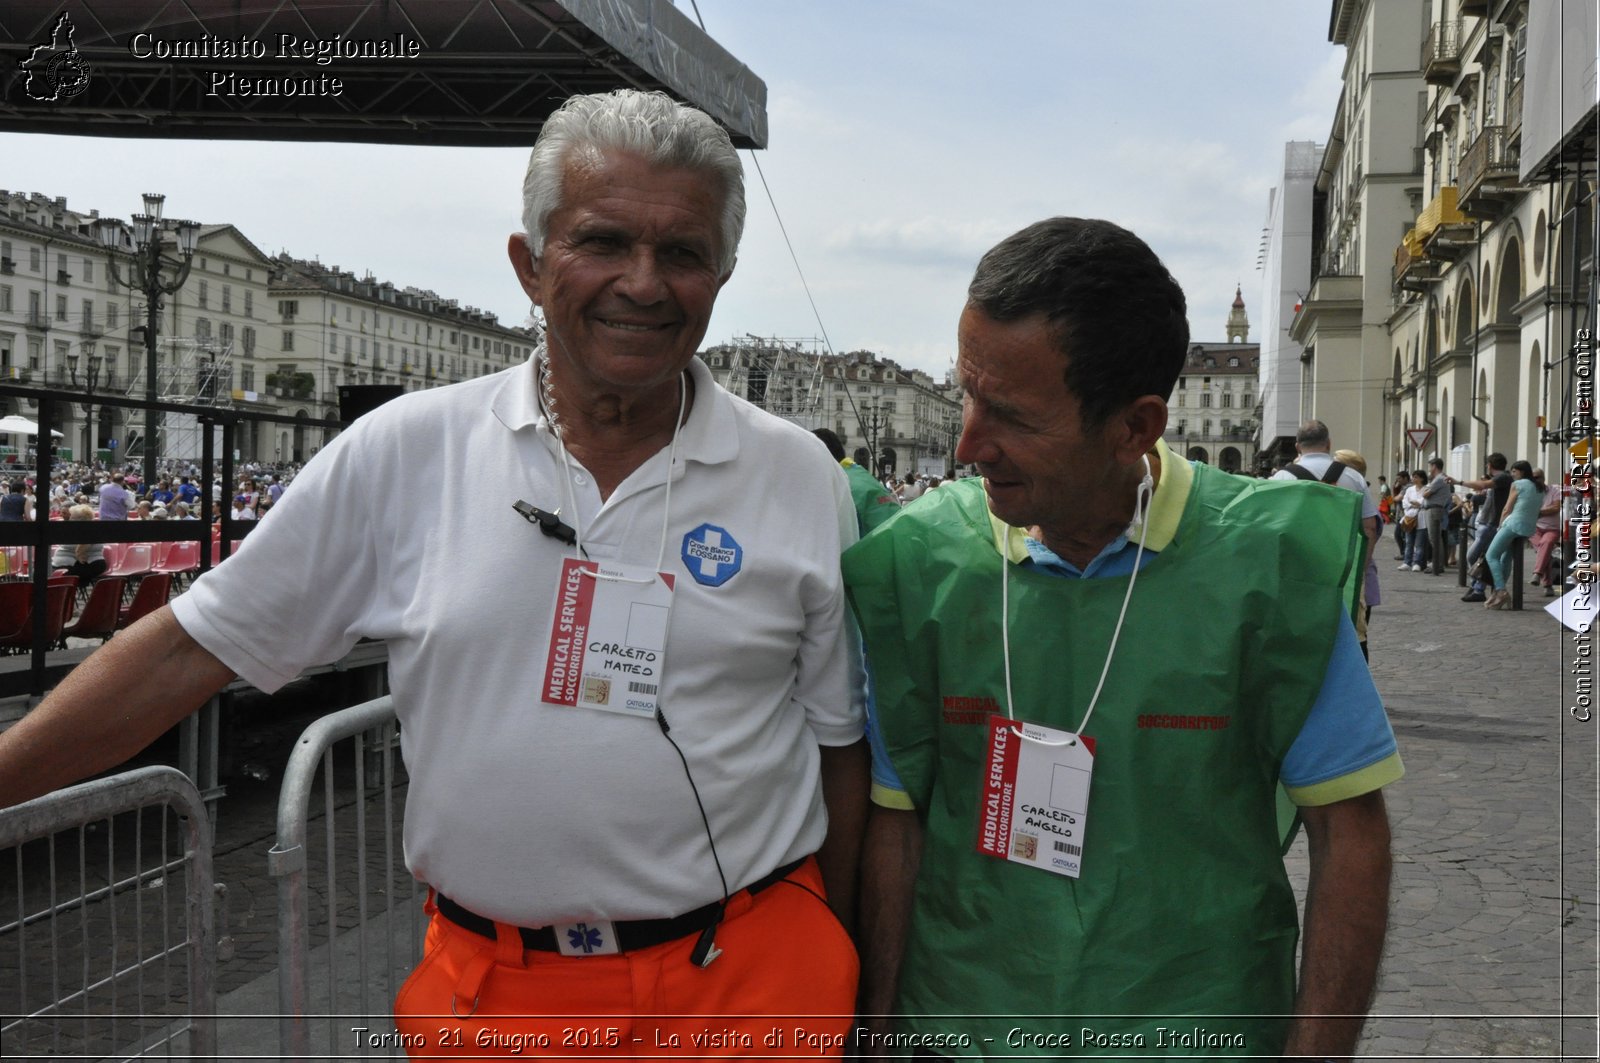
x,y
1347,729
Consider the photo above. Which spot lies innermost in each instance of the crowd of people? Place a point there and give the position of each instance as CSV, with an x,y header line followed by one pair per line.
x,y
1511,503
117,493
82,492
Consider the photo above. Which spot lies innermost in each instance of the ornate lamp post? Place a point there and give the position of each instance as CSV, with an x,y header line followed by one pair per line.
x,y
875,423
153,238
91,378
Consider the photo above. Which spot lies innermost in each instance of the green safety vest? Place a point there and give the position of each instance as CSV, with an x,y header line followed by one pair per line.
x,y
874,502
1183,915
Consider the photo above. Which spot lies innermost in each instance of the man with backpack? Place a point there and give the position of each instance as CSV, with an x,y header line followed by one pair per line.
x,y
1315,461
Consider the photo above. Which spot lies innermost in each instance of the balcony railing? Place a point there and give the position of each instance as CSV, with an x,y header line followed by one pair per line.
x,y
1488,168
1330,264
1411,266
37,320
1441,52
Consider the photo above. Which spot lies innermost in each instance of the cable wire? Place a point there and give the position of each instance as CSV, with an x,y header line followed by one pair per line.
x,y
805,285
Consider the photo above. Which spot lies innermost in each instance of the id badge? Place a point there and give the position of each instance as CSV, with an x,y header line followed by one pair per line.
x,y
1035,800
608,639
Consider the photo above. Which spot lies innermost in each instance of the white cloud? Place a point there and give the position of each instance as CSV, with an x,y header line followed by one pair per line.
x,y
925,242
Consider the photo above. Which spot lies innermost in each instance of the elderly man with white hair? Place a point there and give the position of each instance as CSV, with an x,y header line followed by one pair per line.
x,y
629,691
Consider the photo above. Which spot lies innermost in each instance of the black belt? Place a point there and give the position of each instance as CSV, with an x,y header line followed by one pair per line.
x,y
631,935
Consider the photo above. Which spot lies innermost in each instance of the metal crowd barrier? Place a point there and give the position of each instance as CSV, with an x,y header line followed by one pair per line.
x,y
107,945
370,935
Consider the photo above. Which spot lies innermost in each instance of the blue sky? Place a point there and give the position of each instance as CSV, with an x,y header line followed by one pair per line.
x,y
906,139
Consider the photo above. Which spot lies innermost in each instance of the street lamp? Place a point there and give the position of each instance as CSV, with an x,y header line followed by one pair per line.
x,y
91,377
875,422
152,236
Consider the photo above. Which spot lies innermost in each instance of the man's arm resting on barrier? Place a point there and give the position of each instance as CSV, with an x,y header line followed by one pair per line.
x,y
1347,913
889,863
844,792
124,696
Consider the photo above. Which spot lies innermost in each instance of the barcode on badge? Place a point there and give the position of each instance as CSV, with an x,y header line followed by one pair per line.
x,y
1068,848
641,688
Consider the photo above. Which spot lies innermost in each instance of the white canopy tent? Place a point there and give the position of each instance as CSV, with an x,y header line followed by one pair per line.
x,y
14,424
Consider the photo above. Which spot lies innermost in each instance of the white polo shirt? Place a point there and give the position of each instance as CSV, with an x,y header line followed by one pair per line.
x,y
525,812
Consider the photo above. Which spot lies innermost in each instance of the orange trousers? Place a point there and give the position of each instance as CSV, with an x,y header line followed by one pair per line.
x,y
784,985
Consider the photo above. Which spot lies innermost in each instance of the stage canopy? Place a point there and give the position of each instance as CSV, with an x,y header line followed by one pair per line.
x,y
459,72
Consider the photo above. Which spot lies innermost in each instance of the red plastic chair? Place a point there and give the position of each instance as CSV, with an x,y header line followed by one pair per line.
x,y
101,615
16,607
183,557
151,595
63,578
135,561
55,606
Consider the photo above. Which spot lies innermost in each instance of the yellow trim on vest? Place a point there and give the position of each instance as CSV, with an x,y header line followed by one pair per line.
x,y
1364,781
1172,494
1166,509
884,797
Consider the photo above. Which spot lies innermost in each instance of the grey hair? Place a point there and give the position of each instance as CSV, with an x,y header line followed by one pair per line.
x,y
1313,434
651,124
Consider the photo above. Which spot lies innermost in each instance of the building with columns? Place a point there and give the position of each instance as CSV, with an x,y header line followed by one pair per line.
x,y
331,327
1494,275
1368,189
272,334
909,420
1453,230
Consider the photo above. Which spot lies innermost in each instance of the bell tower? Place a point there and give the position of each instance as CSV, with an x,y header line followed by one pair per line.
x,y
1238,321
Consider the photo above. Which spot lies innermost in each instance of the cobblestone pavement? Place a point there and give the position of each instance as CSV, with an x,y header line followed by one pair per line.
x,y
1492,941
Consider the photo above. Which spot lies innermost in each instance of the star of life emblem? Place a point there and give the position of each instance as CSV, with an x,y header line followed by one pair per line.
x,y
596,938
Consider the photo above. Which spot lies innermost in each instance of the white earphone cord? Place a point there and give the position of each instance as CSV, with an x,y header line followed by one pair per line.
x,y
1141,512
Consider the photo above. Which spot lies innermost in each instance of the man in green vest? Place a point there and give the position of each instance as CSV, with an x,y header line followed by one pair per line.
x,y
1094,674
875,503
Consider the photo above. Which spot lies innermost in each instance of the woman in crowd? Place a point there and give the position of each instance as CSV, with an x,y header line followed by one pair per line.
x,y
87,561
1516,522
1546,533
1416,545
14,505
1402,480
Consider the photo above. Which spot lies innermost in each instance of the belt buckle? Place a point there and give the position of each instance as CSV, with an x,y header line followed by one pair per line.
x,y
596,937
